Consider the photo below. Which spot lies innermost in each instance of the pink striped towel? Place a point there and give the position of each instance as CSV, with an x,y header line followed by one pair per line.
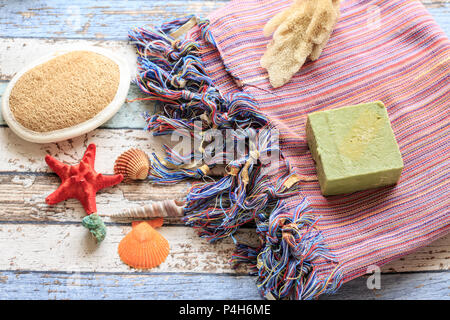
x,y
385,50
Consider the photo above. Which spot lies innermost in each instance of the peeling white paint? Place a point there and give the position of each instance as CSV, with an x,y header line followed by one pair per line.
x,y
26,181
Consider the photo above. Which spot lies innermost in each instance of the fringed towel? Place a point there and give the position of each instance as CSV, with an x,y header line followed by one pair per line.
x,y
387,50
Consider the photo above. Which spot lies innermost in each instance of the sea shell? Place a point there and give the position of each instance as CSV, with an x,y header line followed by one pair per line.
x,y
161,209
154,223
143,247
132,164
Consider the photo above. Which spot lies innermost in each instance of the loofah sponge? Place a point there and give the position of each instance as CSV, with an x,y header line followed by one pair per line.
x,y
299,32
65,91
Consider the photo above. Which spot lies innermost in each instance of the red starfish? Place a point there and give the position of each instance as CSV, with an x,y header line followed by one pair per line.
x,y
80,181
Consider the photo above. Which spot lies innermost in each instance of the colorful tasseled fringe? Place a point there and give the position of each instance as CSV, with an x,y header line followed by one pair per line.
x,y
291,251
170,71
213,80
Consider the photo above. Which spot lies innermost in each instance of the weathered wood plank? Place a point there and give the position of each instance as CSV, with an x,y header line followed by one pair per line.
x,y
435,3
422,259
18,155
31,285
17,53
22,198
85,19
70,247
113,19
409,286
440,14
28,246
23,156
26,157
75,285
435,256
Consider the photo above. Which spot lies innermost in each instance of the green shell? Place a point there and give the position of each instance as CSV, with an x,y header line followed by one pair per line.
x,y
95,225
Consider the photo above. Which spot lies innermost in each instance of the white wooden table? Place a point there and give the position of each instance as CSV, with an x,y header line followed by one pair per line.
x,y
45,253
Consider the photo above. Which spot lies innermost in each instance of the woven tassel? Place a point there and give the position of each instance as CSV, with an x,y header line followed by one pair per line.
x,y
245,254
221,212
163,174
171,71
286,262
219,209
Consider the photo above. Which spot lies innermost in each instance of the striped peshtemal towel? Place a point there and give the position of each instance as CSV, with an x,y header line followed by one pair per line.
x,y
385,50
388,50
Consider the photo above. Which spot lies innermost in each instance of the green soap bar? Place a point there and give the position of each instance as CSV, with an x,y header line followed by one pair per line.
x,y
354,148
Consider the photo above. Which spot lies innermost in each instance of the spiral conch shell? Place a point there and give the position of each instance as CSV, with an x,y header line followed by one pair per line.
x,y
157,209
144,247
133,165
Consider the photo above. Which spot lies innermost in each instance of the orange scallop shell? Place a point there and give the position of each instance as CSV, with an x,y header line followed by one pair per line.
x,y
132,164
154,223
144,247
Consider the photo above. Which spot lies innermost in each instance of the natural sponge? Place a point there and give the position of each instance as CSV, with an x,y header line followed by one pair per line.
x,y
299,32
64,91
